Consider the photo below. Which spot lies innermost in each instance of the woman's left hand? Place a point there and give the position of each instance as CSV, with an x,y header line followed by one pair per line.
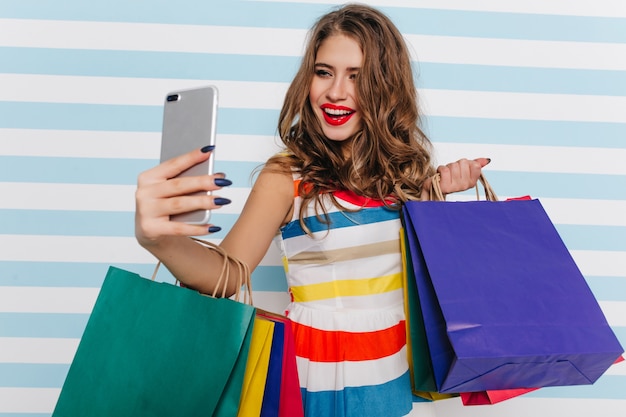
x,y
458,176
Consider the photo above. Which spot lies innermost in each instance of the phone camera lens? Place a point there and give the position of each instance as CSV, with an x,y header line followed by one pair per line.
x,y
173,97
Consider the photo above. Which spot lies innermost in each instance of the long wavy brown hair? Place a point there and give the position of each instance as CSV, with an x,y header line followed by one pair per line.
x,y
389,158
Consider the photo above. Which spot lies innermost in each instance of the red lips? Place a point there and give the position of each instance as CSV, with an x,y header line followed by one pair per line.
x,y
336,115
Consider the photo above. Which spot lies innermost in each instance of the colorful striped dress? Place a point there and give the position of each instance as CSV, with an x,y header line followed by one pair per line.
x,y
347,308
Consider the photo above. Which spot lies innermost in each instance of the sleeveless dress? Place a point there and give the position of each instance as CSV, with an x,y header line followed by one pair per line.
x,y
347,309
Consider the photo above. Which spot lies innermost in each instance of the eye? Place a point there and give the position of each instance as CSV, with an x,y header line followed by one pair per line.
x,y
322,73
353,76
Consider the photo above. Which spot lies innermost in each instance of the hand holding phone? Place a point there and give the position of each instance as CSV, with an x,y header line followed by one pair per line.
x,y
189,122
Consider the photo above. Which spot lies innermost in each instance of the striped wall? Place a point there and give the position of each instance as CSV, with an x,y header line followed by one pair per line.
x,y
538,86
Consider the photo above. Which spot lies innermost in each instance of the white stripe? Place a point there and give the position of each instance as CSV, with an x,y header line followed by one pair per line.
x,y
126,250
28,400
47,300
150,37
353,269
615,312
77,300
600,263
273,301
133,91
134,145
522,106
347,320
608,8
569,211
553,159
43,400
37,350
585,212
100,249
52,196
536,407
92,197
98,197
146,145
391,298
79,143
31,350
517,53
618,369
378,232
456,103
73,249
289,42
315,375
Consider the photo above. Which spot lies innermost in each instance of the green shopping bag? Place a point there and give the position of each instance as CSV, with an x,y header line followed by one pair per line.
x,y
421,369
155,349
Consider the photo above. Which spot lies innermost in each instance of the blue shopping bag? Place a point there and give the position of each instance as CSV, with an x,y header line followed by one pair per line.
x,y
504,304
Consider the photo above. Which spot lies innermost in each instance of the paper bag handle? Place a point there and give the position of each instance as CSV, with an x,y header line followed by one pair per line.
x,y
435,194
243,275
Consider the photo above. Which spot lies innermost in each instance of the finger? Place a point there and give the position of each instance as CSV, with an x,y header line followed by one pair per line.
x,y
189,203
182,186
483,162
173,167
184,229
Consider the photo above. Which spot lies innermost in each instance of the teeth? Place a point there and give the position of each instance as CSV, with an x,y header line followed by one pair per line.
x,y
337,112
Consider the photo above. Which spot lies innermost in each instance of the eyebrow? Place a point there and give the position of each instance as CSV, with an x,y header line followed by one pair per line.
x,y
330,67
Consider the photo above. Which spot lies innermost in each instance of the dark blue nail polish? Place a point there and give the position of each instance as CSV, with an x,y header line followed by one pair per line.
x,y
208,148
220,201
222,182
214,229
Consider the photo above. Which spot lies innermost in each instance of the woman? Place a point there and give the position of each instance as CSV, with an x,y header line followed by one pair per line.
x,y
354,153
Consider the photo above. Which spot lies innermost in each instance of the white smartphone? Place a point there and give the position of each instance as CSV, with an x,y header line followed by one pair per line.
x,y
189,122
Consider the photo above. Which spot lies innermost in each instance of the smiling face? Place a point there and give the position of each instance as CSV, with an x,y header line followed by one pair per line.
x,y
333,89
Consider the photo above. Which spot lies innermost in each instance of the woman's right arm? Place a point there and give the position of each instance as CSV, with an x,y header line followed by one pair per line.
x,y
160,195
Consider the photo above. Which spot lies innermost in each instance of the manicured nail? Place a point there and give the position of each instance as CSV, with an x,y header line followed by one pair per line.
x,y
220,201
488,160
214,229
222,182
207,149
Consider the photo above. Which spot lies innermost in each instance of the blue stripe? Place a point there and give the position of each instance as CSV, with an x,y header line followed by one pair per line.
x,y
301,16
365,401
609,238
620,332
96,223
26,375
508,25
67,223
69,116
263,122
521,80
180,65
100,170
546,185
608,387
608,289
67,274
91,275
340,220
148,64
525,132
43,325
128,118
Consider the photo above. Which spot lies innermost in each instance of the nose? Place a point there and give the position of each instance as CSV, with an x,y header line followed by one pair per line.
x,y
337,90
